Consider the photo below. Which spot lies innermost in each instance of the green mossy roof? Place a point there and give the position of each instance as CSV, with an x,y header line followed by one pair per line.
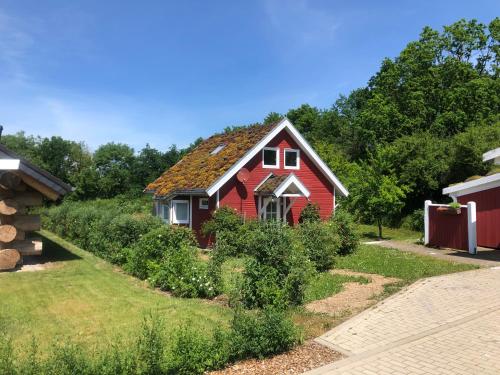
x,y
200,169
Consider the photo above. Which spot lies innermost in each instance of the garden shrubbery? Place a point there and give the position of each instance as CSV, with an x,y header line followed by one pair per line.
x,y
164,255
186,351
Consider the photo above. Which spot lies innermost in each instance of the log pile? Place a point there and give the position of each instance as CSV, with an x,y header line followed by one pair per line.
x,y
16,224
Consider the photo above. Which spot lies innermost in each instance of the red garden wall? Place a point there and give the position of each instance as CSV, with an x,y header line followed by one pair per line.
x,y
448,230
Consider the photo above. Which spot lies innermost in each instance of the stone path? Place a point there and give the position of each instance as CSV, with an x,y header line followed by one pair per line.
x,y
484,257
441,325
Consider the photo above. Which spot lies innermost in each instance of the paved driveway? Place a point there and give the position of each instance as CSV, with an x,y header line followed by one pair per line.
x,y
440,325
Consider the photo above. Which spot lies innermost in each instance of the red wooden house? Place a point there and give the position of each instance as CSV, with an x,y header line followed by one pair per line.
x,y
262,171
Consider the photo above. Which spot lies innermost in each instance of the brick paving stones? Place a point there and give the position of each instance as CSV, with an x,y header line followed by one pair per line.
x,y
441,325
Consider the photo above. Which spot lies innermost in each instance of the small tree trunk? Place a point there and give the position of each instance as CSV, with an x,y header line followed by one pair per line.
x,y
379,222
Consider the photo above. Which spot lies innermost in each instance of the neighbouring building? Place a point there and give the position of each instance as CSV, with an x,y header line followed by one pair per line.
x,y
262,171
477,221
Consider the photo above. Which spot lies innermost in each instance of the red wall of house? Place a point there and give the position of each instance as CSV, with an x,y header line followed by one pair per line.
x,y
241,196
487,216
200,216
448,230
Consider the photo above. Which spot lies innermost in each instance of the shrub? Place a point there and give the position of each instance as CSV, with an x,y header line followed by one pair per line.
x,y
262,333
277,271
343,225
153,246
181,273
192,353
309,213
321,243
414,221
225,226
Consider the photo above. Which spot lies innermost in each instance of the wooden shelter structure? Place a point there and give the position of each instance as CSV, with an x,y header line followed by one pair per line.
x,y
22,185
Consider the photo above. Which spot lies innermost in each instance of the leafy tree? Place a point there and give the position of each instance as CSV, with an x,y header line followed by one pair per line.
x,y
375,196
272,118
113,163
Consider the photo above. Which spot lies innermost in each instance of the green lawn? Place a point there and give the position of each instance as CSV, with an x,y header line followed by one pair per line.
x,y
370,233
395,263
89,300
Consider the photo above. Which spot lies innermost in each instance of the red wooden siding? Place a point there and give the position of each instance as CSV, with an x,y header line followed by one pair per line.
x,y
487,216
241,196
200,216
448,230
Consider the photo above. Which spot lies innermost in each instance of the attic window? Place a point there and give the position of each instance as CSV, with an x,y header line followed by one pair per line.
x,y
217,149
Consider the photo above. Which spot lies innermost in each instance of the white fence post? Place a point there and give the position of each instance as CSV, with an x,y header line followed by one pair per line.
x,y
471,227
426,222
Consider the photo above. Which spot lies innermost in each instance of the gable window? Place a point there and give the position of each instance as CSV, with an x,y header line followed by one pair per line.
x,y
292,159
180,212
270,157
204,203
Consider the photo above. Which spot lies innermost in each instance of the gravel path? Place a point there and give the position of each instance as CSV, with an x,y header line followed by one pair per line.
x,y
355,296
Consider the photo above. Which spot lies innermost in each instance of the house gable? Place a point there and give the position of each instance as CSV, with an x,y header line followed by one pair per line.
x,y
302,144
244,198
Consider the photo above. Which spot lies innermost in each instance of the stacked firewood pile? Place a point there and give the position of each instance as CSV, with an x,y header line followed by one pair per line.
x,y
16,225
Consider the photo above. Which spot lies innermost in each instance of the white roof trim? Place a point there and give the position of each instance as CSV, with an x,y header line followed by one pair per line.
x,y
292,179
9,164
262,182
492,154
283,124
483,183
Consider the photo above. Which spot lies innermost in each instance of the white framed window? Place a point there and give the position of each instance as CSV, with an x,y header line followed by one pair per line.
x,y
271,211
180,212
164,212
270,157
204,203
291,158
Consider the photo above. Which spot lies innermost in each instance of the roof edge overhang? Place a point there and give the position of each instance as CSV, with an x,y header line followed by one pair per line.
x,y
41,180
197,192
474,186
492,155
301,141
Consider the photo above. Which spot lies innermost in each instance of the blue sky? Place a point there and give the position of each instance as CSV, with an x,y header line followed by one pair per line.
x,y
164,72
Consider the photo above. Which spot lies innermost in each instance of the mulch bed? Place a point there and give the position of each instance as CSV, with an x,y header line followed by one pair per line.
x,y
303,358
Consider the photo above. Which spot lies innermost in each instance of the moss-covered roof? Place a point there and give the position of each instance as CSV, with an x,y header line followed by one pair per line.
x,y
270,185
200,168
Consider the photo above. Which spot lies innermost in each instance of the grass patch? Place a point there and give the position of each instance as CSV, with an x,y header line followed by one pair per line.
x,y
89,300
325,284
395,263
370,233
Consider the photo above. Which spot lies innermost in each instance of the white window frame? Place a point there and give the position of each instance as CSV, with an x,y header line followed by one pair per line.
x,y
267,202
173,216
277,151
162,207
296,151
202,205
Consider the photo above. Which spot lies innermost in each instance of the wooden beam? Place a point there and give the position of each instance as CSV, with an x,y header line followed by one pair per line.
x,y
37,185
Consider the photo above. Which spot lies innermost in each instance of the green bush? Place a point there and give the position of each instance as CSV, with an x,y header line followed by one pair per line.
x,y
261,333
192,353
181,273
277,270
152,247
225,226
343,225
309,213
321,243
414,221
